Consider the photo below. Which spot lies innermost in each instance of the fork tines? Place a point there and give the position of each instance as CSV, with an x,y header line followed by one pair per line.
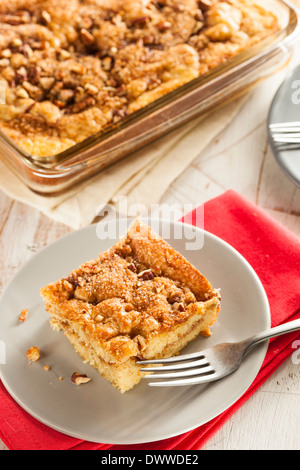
x,y
286,139
285,125
189,372
286,132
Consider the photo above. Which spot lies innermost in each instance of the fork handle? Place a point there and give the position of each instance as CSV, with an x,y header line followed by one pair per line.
x,y
288,327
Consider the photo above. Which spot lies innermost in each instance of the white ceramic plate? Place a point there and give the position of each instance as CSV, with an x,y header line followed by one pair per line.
x,y
96,411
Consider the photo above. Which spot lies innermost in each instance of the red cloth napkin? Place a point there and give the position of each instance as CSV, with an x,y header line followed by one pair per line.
x,y
273,252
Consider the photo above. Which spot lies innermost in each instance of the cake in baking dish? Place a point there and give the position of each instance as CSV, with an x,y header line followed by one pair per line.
x,y
140,299
72,67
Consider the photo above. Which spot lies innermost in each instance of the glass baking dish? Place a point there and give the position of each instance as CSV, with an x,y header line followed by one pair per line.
x,y
55,174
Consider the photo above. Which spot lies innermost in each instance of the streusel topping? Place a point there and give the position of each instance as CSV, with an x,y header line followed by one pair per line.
x,y
122,297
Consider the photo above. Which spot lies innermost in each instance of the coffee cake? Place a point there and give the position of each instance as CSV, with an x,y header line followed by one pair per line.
x,y
73,67
140,299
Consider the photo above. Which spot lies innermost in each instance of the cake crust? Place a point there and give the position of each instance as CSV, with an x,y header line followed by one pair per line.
x,y
140,299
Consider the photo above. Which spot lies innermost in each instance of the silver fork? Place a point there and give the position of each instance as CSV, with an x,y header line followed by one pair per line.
x,y
211,364
286,132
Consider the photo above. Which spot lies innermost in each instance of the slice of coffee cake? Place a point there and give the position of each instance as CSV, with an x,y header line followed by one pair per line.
x,y
140,299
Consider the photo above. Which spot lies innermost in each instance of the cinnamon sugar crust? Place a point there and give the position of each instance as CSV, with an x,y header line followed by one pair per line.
x,y
72,67
139,299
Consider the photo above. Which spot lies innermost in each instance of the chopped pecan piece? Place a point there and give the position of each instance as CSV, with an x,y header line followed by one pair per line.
x,y
91,268
198,26
27,51
146,275
82,105
164,25
15,19
132,267
79,379
34,91
47,82
86,23
39,45
141,342
6,53
74,280
16,42
98,318
21,93
174,298
118,114
70,82
199,15
4,62
66,95
140,21
205,4
180,307
107,63
45,18
56,88
60,104
90,88
34,73
86,37
62,54
18,60
20,75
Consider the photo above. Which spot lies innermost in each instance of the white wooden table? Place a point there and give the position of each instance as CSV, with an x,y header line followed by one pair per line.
x,y
239,158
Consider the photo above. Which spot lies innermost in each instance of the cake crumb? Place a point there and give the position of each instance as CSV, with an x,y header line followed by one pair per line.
x,y
23,315
33,354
